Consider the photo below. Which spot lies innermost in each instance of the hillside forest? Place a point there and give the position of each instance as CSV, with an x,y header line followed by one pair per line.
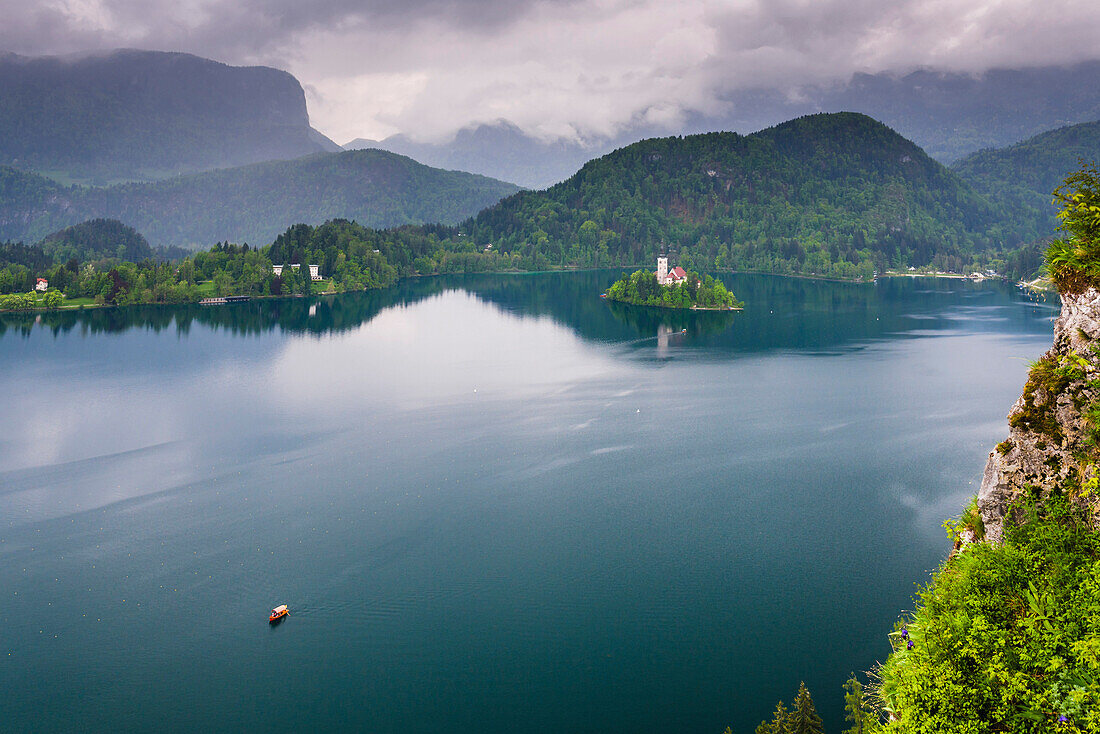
x,y
830,195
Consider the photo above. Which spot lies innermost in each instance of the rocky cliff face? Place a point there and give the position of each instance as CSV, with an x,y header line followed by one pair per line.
x,y
1055,425
147,114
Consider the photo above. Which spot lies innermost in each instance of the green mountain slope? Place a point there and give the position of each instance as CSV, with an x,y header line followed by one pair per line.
x,y
1023,176
132,114
831,194
253,203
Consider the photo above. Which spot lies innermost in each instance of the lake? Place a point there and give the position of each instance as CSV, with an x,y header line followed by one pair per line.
x,y
493,503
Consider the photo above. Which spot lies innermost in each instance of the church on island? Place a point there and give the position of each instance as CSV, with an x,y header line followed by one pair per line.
x,y
666,276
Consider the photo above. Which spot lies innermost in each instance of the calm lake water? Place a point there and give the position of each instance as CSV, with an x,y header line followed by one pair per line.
x,y
493,504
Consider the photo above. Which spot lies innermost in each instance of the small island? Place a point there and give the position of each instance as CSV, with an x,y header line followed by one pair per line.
x,y
676,288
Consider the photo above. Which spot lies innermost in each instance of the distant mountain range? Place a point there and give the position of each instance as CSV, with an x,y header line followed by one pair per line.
x,y
833,194
836,195
252,203
143,115
863,196
130,115
949,115
502,148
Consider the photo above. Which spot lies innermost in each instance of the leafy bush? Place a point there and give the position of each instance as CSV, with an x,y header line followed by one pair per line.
x,y
18,301
970,519
1006,637
1074,262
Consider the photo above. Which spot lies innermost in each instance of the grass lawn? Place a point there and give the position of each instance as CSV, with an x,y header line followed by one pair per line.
x,y
78,302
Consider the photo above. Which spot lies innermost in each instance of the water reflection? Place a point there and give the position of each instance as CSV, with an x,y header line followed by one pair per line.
x,y
462,483
781,313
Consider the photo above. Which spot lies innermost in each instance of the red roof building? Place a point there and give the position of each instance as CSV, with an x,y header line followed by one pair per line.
x,y
666,276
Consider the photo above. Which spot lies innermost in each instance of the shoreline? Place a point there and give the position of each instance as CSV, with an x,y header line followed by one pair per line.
x,y
715,309
803,276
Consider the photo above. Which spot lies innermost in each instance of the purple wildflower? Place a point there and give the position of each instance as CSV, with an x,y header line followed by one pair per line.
x,y
909,645
904,633
1062,719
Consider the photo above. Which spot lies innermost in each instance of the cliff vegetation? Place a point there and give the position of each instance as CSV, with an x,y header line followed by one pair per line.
x,y
1006,636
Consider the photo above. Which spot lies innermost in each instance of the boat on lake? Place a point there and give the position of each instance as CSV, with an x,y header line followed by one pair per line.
x,y
278,613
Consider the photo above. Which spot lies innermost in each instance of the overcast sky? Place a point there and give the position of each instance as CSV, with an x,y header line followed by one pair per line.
x,y
558,68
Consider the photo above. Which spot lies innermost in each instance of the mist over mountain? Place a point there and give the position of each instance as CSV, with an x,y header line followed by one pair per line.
x,y
500,150
949,115
252,203
143,115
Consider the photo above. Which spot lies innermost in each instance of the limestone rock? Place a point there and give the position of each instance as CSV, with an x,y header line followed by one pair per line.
x,y
1044,459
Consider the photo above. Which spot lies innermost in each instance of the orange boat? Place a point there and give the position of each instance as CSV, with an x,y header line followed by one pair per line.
x,y
278,613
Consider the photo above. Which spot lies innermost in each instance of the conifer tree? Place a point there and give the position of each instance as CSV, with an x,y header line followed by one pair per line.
x,y
854,709
803,718
780,723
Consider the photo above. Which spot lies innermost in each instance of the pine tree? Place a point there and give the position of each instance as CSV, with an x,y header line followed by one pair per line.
x,y
780,723
854,709
803,718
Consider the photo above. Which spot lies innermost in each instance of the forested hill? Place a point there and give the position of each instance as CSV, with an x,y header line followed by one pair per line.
x,y
830,194
253,203
147,114
1023,176
97,239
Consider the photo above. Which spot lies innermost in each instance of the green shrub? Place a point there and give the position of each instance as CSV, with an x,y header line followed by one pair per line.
x,y
1006,637
1073,263
18,301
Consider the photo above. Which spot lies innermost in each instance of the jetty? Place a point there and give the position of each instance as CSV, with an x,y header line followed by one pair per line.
x,y
224,299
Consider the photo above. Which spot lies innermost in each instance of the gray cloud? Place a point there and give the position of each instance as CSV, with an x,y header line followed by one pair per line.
x,y
572,69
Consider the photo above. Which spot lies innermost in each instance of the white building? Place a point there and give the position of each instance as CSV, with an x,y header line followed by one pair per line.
x,y
667,277
314,273
42,285
662,269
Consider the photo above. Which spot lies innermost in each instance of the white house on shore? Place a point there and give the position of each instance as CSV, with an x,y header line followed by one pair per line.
x,y
666,276
313,270
42,285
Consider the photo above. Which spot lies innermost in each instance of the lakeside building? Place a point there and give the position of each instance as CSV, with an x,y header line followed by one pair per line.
x,y
42,285
313,270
